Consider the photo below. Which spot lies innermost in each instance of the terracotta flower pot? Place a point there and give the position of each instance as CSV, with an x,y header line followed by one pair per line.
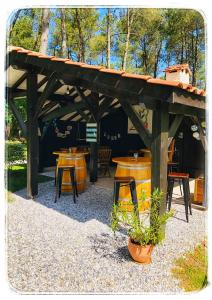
x,y
140,254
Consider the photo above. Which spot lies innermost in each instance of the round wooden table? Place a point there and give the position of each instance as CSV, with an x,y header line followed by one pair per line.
x,y
140,169
78,160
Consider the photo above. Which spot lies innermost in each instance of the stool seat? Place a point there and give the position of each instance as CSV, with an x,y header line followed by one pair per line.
x,y
124,179
66,167
178,175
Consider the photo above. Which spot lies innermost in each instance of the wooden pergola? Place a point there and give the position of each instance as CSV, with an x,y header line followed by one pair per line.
x,y
60,88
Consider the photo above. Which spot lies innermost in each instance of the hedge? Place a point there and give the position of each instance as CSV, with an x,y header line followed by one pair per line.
x,y
15,151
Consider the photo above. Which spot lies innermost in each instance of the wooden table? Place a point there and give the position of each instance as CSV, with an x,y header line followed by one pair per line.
x,y
78,160
140,169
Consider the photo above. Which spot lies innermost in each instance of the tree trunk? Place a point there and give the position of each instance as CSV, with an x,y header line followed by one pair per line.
x,y
81,56
129,24
108,38
45,30
157,56
63,33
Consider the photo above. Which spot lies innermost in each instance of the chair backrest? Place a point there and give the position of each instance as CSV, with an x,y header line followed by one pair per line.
x,y
171,149
104,154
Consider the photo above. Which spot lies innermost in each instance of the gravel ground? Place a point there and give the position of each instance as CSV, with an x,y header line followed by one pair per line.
x,y
69,248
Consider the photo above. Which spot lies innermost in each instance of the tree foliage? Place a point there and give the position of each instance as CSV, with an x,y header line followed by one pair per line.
x,y
138,40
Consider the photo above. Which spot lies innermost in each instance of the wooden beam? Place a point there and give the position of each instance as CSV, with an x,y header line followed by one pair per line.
x,y
86,101
159,150
71,107
187,99
18,116
52,85
20,81
137,123
179,109
43,81
32,136
83,115
46,108
174,127
105,105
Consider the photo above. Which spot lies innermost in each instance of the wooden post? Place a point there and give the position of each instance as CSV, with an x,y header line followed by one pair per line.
x,y
32,136
94,147
159,149
93,104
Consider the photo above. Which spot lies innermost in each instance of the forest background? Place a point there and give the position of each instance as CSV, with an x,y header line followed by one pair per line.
x,y
137,40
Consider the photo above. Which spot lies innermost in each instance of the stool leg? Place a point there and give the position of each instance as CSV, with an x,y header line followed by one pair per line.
x,y
133,194
73,183
57,185
171,186
180,182
134,198
60,171
189,196
185,198
116,192
168,191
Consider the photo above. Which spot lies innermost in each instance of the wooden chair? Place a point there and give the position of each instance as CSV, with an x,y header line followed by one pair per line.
x,y
172,165
104,155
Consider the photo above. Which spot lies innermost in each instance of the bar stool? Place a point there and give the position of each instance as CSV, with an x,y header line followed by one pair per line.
x,y
184,177
73,183
126,181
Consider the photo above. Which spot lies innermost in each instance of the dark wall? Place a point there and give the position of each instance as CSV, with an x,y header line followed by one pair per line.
x,y
190,153
112,125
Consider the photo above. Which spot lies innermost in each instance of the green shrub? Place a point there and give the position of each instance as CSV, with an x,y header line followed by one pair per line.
x,y
139,232
15,151
191,268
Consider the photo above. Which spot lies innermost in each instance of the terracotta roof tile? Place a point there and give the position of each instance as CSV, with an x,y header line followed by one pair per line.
x,y
137,76
60,59
23,51
164,82
46,56
148,78
74,63
34,54
112,71
13,48
92,67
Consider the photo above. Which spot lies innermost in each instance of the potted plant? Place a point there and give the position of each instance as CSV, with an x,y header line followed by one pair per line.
x,y
144,233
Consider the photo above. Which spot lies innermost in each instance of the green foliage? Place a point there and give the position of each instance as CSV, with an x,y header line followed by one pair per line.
x,y
15,151
191,269
17,178
138,230
10,197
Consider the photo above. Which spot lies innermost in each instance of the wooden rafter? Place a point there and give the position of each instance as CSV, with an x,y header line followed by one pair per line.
x,y
19,81
64,111
52,85
18,116
105,105
174,127
137,123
